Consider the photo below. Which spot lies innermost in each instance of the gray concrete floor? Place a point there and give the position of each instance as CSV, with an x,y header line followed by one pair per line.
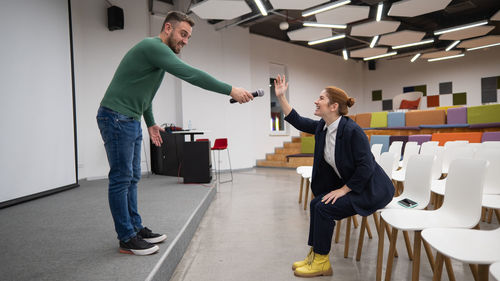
x,y
255,229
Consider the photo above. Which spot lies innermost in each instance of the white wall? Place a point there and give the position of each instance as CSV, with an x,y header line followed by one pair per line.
x,y
465,73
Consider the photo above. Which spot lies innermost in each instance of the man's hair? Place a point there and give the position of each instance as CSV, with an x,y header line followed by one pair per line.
x,y
174,17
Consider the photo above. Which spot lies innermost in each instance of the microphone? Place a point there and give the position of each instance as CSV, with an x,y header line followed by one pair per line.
x,y
258,93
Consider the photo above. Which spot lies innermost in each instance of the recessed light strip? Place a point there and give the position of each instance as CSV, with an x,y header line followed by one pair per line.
x,y
415,57
374,41
452,45
414,44
340,36
325,8
261,7
465,26
379,10
448,57
381,56
315,24
485,46
344,54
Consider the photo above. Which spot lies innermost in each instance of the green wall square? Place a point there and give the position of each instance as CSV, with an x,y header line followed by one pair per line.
x,y
376,95
459,98
421,88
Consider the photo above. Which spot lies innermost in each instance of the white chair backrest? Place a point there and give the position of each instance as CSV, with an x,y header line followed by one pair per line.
x,y
396,147
418,178
492,180
301,169
411,149
491,144
376,150
456,152
437,169
388,162
455,143
307,172
428,147
464,190
475,146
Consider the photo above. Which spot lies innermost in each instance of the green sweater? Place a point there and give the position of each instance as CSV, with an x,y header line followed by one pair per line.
x,y
140,74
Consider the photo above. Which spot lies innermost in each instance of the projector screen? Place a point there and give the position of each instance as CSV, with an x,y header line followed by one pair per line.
x,y
37,145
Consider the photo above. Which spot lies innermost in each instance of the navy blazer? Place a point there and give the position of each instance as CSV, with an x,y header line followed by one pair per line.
x,y
371,188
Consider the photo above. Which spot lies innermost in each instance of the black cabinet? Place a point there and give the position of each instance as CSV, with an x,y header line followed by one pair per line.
x,y
197,165
167,159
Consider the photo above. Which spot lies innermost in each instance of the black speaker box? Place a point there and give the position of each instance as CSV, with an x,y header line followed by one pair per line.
x,y
371,65
197,165
115,18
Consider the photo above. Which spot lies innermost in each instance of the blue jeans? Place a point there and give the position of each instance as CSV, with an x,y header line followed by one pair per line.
x,y
122,136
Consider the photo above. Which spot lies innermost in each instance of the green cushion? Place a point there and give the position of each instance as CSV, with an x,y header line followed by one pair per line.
x,y
483,114
379,119
307,144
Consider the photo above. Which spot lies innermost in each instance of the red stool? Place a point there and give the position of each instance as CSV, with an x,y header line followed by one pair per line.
x,y
221,144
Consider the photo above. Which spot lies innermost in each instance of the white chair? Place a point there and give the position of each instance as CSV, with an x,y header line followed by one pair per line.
x,y
461,209
300,170
410,96
376,151
396,147
411,149
469,246
307,174
491,144
491,194
417,188
428,147
388,162
495,271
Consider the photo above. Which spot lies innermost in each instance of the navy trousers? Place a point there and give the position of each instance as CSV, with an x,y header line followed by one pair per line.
x,y
322,221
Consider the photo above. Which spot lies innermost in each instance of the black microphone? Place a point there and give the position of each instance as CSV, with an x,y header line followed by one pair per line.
x,y
258,93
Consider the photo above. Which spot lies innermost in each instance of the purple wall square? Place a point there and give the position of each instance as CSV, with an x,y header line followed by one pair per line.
x,y
457,115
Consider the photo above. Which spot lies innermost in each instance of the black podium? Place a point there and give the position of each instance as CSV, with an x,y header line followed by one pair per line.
x,y
190,160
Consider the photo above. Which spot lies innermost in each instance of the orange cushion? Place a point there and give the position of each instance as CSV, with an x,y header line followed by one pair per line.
x,y
364,119
472,137
425,117
409,104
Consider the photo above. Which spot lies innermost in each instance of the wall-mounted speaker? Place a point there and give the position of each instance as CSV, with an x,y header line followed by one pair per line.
x,y
372,65
115,18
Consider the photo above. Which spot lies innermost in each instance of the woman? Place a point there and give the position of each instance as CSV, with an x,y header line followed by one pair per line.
x,y
346,180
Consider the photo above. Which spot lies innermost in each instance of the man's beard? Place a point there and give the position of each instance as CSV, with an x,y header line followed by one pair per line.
x,y
172,44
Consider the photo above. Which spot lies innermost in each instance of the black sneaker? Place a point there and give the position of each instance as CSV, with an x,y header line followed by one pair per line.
x,y
150,236
137,246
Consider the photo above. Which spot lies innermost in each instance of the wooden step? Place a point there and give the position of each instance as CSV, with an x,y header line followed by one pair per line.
x,y
292,145
300,161
267,163
276,157
302,134
286,151
296,139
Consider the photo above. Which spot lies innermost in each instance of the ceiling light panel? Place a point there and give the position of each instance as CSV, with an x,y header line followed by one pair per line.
x,y
296,4
440,54
413,8
368,52
401,38
344,15
221,9
309,34
467,33
373,28
486,40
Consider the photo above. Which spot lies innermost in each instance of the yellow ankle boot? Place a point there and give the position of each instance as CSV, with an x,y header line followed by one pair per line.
x,y
307,260
319,266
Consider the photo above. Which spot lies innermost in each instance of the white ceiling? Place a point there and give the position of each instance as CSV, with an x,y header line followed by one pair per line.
x,y
296,4
221,9
467,33
486,40
368,52
440,54
373,28
401,37
343,15
413,8
309,33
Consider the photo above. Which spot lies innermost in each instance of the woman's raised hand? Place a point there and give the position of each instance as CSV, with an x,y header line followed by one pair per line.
x,y
280,85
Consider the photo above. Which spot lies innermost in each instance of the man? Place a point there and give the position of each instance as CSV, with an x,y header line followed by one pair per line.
x,y
128,97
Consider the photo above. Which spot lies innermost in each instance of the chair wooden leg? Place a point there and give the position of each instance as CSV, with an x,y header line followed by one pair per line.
x,y
301,188
306,194
337,231
392,250
497,213
439,267
483,270
388,230
490,215
364,223
355,221
449,269
416,255
433,199
376,220
408,244
347,237
474,270
380,250
428,251
483,214
368,229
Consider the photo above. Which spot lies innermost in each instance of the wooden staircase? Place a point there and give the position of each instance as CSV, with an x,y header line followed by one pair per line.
x,y
278,158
